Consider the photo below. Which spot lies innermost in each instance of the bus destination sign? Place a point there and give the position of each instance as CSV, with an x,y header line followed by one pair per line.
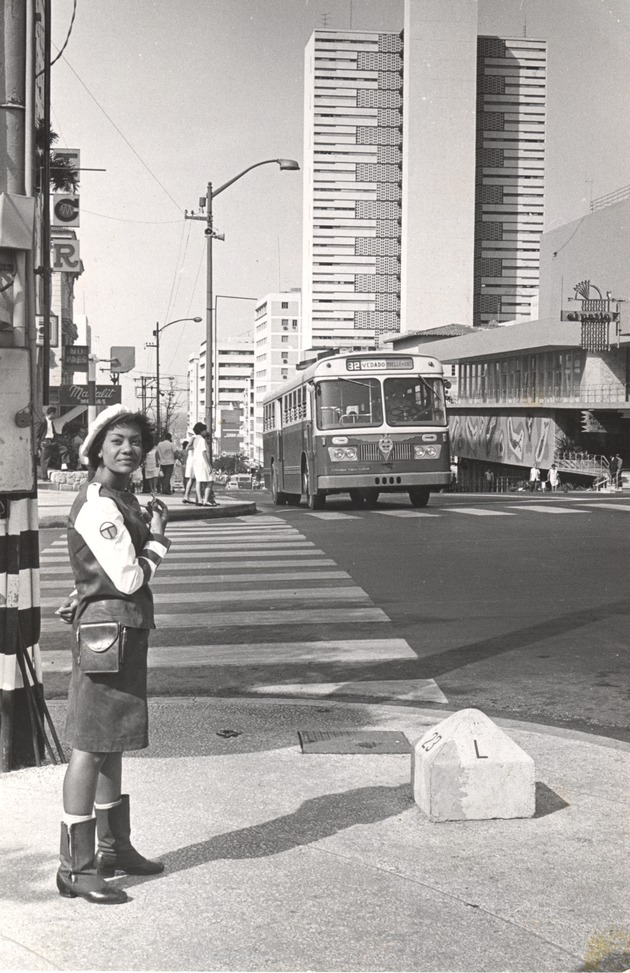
x,y
378,364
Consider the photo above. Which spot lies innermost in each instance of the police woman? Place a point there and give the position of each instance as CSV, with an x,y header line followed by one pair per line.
x,y
114,549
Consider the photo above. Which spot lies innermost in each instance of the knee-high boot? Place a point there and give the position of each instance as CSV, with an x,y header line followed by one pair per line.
x,y
77,875
115,850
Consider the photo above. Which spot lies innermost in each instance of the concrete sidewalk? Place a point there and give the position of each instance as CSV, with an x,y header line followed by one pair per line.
x,y
277,860
54,507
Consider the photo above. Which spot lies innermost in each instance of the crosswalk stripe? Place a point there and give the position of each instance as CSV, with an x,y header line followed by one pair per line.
x,y
409,690
473,512
201,555
207,579
252,653
546,509
252,619
350,593
331,515
240,545
405,513
216,565
609,506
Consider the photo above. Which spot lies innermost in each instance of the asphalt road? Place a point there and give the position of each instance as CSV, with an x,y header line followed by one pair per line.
x,y
515,605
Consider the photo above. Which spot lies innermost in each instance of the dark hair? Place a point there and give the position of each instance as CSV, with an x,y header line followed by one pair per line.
x,y
199,427
184,443
168,436
132,419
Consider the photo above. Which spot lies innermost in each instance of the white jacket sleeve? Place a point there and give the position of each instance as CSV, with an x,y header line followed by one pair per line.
x,y
102,527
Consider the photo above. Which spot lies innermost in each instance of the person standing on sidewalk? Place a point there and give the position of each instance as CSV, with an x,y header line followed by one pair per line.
x,y
534,479
48,438
166,461
114,549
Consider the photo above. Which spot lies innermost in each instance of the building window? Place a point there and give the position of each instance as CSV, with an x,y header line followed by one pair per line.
x,y
285,324
294,325
285,304
284,338
285,373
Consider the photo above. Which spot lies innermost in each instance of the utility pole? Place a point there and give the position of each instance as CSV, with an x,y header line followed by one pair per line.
x,y
23,711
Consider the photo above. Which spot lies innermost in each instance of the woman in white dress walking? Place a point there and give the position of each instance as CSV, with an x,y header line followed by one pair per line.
x,y
201,471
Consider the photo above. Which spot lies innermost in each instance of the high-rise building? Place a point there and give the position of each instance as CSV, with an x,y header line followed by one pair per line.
x,y
509,199
233,392
423,177
352,188
276,349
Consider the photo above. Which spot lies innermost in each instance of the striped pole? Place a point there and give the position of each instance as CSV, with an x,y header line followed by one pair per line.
x,y
21,742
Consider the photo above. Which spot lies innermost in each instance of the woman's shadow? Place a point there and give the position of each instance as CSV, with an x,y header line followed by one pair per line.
x,y
316,818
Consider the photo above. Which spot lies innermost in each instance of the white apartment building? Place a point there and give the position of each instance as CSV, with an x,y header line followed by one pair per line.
x,y
233,392
423,177
277,350
352,188
509,203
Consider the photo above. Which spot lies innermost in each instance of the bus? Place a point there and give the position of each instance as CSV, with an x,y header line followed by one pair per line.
x,y
362,423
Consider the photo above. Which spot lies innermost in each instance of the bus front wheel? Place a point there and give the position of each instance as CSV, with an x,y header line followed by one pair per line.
x,y
371,499
419,496
357,499
316,500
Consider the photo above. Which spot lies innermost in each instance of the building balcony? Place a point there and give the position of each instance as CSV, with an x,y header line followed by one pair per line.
x,y
586,397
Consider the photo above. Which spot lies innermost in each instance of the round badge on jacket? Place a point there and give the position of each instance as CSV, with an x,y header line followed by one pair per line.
x,y
108,530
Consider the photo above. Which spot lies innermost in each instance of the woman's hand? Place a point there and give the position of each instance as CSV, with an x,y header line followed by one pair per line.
x,y
67,610
159,515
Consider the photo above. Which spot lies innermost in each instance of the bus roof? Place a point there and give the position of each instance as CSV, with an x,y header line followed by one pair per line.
x,y
335,366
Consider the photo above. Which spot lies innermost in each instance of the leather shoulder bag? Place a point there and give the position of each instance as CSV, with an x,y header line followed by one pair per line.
x,y
100,647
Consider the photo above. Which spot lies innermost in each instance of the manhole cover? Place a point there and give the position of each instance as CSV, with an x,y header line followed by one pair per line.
x,y
353,741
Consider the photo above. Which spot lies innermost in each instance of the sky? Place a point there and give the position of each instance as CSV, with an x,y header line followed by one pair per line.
x,y
168,95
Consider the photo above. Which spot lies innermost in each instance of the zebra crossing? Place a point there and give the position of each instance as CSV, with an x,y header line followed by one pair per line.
x,y
507,510
259,606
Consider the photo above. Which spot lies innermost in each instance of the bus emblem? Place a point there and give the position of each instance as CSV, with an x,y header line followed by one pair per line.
x,y
386,446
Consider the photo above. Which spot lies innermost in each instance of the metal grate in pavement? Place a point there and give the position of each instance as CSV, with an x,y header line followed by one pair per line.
x,y
353,741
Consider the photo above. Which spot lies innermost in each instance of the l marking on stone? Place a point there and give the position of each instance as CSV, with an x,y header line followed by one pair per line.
x,y
480,756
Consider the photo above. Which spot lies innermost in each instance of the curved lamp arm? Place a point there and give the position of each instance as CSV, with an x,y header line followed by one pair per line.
x,y
176,321
283,163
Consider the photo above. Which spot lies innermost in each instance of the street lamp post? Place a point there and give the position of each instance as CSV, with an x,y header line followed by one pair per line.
x,y
156,345
284,164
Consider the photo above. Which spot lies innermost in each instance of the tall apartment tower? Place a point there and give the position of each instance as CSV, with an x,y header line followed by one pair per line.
x,y
352,188
509,198
423,177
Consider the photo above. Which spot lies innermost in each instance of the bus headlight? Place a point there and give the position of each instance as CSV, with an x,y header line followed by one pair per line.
x,y
340,454
426,452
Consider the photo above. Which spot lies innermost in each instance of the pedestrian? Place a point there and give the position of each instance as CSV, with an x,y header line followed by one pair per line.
x,y
553,478
534,478
50,442
615,467
77,442
200,469
114,550
166,461
151,471
187,464
209,499
489,478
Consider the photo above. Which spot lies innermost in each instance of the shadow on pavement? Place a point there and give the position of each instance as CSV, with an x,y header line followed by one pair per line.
x,y
315,819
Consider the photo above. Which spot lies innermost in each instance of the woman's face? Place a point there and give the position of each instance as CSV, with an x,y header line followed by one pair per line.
x,y
121,452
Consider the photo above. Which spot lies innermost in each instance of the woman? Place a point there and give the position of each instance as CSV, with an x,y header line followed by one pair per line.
x,y
151,470
201,471
115,549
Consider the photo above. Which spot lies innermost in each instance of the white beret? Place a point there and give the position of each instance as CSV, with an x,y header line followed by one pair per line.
x,y
102,420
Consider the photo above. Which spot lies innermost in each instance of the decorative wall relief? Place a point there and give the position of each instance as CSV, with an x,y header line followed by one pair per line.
x,y
514,440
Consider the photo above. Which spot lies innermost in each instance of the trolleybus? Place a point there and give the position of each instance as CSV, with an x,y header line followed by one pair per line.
x,y
362,424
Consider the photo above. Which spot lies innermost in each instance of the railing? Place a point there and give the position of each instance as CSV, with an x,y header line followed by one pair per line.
x,y
581,462
586,394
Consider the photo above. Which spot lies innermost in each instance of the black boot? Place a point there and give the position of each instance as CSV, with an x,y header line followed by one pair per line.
x,y
115,850
77,874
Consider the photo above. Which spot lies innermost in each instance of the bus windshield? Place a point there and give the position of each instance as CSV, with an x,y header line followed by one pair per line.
x,y
414,400
345,402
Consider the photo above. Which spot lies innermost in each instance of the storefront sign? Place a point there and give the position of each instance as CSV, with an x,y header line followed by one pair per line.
x,y
75,357
68,395
66,256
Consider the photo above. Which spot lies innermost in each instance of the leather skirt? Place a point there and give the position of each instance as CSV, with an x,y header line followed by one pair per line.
x,y
108,713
